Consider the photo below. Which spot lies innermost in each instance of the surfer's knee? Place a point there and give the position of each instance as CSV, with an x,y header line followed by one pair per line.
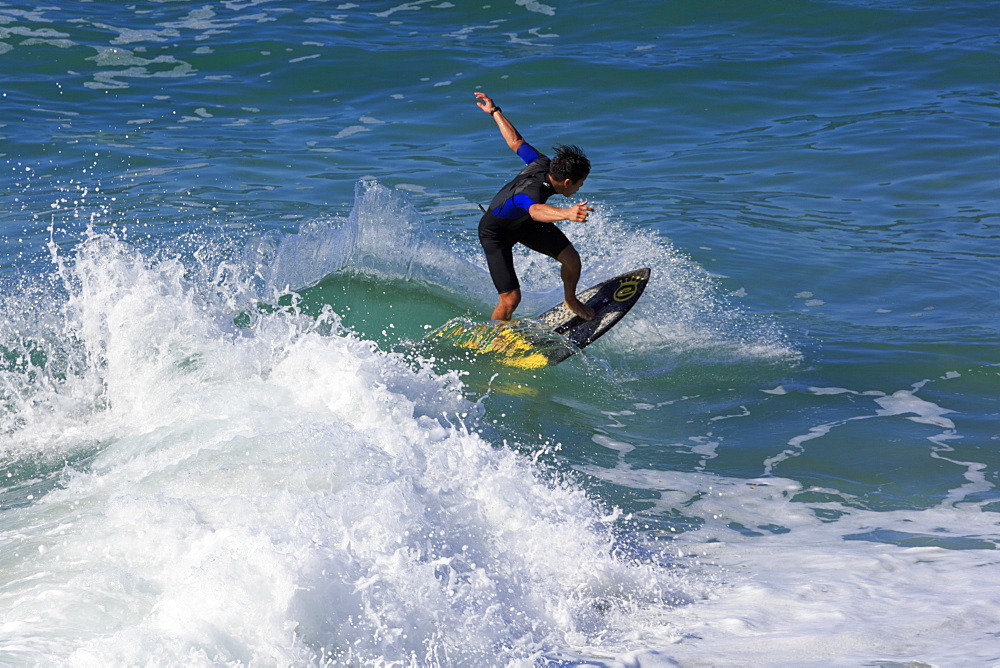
x,y
569,257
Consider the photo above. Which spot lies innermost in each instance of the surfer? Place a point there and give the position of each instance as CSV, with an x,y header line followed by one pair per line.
x,y
519,214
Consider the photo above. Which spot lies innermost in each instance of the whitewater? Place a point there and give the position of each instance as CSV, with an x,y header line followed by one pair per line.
x,y
198,479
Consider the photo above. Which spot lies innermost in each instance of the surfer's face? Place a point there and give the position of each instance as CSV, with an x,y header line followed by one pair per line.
x,y
569,188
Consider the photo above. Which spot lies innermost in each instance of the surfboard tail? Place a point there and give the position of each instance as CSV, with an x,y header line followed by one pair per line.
x,y
524,343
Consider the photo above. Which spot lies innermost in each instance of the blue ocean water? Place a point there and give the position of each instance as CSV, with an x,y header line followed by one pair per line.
x,y
229,227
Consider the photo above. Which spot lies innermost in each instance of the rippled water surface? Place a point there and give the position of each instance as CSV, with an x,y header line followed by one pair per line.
x,y
230,226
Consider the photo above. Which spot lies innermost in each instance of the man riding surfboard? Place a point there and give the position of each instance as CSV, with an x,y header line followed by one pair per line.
x,y
519,214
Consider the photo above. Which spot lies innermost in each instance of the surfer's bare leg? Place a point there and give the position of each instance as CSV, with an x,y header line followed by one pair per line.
x,y
570,271
505,307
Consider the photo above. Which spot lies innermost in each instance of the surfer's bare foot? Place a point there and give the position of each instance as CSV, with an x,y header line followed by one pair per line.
x,y
581,309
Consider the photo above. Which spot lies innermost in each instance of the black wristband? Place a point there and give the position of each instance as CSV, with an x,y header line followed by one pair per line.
x,y
495,110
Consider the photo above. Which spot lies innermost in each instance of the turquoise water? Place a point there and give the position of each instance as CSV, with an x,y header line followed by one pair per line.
x,y
230,226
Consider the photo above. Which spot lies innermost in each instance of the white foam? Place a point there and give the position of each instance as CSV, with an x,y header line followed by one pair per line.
x,y
901,403
821,582
810,575
537,7
290,494
350,131
287,495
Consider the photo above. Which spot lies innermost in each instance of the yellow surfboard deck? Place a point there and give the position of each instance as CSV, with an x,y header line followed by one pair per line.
x,y
556,334
511,343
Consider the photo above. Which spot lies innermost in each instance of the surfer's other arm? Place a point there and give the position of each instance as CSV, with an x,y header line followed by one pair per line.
x,y
546,213
510,134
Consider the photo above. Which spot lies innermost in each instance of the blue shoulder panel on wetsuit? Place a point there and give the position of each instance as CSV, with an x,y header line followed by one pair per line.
x,y
518,205
528,153
515,207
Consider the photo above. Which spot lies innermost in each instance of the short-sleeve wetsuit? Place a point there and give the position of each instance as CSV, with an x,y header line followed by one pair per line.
x,y
507,222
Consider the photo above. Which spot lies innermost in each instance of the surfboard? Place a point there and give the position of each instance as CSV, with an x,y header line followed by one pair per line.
x,y
611,300
554,335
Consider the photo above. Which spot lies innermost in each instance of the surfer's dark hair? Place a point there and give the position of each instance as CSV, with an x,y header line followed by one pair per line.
x,y
570,163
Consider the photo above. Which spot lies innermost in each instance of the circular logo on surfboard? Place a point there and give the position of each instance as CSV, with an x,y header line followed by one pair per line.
x,y
626,289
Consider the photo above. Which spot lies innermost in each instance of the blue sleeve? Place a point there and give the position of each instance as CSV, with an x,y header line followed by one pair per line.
x,y
515,207
528,153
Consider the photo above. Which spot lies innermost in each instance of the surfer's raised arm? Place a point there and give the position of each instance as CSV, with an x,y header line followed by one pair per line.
x,y
510,134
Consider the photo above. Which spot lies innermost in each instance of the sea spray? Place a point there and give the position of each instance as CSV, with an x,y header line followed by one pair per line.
x,y
290,494
384,237
685,316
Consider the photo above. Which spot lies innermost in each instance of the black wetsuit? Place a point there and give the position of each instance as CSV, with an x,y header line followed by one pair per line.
x,y
507,222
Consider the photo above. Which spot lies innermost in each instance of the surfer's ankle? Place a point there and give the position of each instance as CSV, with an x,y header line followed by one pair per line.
x,y
581,309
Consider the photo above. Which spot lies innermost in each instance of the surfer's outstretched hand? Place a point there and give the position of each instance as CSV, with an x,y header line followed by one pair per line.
x,y
485,103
